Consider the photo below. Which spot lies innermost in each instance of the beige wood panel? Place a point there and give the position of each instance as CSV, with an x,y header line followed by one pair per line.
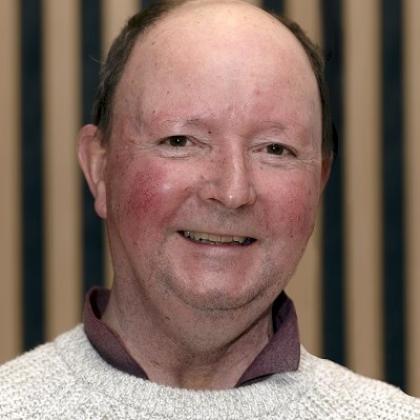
x,y
10,212
256,2
362,152
115,14
62,180
412,173
307,13
306,286
306,291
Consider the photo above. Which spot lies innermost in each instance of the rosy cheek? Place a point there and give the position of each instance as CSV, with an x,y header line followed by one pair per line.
x,y
147,194
144,193
293,209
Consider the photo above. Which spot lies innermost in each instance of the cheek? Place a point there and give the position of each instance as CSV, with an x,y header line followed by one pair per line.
x,y
142,199
145,194
294,207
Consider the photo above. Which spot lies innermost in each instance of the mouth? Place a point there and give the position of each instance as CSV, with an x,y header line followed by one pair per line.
x,y
212,239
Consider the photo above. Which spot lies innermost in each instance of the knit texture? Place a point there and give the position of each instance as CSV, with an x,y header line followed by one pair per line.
x,y
67,379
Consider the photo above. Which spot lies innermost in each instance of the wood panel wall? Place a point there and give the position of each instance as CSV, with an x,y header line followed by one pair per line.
x,y
367,317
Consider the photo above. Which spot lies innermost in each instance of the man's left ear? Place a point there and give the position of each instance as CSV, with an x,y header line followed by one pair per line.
x,y
92,159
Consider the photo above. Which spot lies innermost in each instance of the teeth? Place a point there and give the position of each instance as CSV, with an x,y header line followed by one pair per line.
x,y
213,238
208,237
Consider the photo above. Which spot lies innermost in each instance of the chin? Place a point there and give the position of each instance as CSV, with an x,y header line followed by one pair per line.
x,y
221,297
217,301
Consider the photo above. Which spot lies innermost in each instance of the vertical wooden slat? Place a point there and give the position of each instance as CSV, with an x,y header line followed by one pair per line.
x,y
256,2
363,187
305,290
114,15
412,193
333,274
305,287
91,52
62,180
32,191
10,261
307,13
393,202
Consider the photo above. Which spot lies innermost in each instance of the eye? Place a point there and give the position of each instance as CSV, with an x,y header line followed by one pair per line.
x,y
276,149
176,141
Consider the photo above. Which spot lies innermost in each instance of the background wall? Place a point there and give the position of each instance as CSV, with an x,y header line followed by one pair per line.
x,y
358,285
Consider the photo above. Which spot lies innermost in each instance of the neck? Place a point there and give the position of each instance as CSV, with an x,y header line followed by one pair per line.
x,y
192,350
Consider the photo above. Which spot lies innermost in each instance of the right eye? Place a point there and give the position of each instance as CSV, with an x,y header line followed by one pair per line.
x,y
175,141
276,149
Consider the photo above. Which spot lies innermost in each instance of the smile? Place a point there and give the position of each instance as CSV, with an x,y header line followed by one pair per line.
x,y
208,238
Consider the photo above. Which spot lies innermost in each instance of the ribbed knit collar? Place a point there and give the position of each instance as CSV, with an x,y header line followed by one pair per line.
x,y
281,354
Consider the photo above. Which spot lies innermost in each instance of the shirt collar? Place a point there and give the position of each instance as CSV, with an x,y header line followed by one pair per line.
x,y
281,354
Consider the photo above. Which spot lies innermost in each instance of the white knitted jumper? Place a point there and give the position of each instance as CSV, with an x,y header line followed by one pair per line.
x,y
67,379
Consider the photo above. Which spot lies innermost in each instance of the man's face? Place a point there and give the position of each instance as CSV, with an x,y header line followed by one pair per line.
x,y
213,172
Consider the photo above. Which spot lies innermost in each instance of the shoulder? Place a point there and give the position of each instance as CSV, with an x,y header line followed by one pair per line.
x,y
352,396
35,380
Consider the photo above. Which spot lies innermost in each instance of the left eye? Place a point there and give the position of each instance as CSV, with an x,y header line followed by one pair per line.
x,y
276,149
176,141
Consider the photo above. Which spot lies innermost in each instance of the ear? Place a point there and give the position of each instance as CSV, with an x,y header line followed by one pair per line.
x,y
92,156
326,165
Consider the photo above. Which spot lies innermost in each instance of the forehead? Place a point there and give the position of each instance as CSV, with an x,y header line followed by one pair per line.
x,y
212,47
203,28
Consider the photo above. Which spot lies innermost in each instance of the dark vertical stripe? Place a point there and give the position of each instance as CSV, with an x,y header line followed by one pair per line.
x,y
93,241
32,194
393,206
276,6
143,4
333,260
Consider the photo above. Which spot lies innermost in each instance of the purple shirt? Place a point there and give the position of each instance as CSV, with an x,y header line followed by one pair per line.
x,y
281,354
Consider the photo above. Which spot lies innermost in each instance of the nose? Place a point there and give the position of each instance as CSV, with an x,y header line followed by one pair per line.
x,y
229,181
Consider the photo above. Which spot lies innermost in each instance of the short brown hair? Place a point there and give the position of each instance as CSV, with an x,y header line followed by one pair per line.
x,y
122,46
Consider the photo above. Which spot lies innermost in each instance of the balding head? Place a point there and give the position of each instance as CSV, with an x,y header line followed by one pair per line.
x,y
227,12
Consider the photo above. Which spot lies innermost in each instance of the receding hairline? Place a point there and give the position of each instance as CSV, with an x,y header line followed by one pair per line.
x,y
142,24
183,6
148,42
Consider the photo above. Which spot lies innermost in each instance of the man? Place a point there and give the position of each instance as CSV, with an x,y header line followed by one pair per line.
x,y
207,162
